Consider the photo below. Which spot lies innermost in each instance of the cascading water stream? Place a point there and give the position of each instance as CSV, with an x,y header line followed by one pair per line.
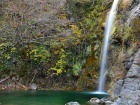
x,y
108,28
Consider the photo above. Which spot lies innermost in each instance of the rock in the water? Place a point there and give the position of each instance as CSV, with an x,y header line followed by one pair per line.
x,y
33,86
72,103
103,101
94,101
106,101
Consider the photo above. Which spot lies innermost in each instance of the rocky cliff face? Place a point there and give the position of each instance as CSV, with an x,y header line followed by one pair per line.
x,y
130,86
134,12
127,91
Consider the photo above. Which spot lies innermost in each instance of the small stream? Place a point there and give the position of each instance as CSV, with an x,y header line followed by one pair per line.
x,y
44,97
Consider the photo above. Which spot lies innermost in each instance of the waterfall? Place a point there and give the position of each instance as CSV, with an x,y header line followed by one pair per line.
x,y
107,34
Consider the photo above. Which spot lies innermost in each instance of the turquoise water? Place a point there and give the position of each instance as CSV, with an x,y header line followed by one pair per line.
x,y
44,97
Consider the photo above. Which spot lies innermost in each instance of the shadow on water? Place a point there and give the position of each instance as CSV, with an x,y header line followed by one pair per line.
x,y
46,97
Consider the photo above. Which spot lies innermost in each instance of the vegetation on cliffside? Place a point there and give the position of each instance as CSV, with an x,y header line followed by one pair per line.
x,y
51,46
57,44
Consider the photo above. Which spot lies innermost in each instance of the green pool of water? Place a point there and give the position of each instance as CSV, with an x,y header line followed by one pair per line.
x,y
43,97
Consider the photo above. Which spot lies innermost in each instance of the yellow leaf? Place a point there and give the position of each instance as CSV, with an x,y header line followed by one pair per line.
x,y
56,52
59,71
76,30
13,49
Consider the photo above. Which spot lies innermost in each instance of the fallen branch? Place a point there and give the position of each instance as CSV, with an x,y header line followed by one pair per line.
x,y
21,85
3,80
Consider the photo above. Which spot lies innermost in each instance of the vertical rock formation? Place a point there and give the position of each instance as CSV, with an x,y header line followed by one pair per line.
x,y
127,91
133,13
130,92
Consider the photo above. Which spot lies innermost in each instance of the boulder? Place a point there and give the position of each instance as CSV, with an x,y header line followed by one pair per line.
x,y
94,101
103,101
106,101
33,86
72,103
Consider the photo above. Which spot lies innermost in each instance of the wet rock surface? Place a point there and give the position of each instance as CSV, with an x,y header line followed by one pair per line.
x,y
103,101
130,91
72,103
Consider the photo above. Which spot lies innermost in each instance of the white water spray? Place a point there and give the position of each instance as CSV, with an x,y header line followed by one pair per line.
x,y
108,28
